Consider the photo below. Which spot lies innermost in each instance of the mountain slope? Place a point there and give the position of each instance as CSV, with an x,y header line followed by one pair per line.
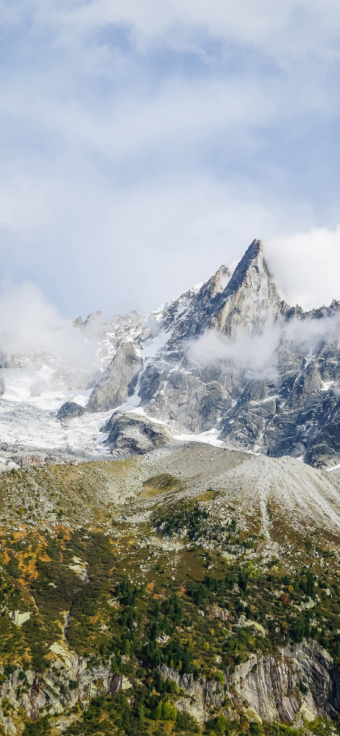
x,y
192,585
193,589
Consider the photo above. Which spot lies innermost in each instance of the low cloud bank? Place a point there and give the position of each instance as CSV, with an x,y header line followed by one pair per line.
x,y
30,325
259,352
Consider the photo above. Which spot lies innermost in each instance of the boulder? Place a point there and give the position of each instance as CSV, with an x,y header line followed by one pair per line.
x,y
69,410
134,434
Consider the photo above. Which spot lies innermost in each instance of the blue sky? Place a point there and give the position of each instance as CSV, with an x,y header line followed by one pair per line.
x,y
145,142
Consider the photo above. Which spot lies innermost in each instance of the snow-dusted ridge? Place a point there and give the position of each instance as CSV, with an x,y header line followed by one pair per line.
x,y
36,387
227,363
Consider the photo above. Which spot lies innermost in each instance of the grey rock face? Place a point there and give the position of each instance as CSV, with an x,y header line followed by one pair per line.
x,y
325,446
70,409
299,416
2,386
134,434
54,693
203,695
184,397
269,687
118,381
250,300
197,397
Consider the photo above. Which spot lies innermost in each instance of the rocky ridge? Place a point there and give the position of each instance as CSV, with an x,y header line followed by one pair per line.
x,y
286,404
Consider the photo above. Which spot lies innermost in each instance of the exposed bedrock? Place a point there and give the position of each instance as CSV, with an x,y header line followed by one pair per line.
x,y
118,381
269,687
70,409
134,434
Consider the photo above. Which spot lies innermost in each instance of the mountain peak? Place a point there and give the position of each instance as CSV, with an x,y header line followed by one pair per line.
x,y
252,257
251,295
254,248
217,283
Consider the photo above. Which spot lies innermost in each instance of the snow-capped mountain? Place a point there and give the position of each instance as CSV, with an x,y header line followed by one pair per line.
x,y
227,362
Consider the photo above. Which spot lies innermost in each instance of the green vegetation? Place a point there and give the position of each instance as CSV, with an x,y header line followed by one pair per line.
x,y
191,518
137,606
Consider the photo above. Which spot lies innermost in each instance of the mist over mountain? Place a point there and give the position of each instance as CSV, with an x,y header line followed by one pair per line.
x,y
228,362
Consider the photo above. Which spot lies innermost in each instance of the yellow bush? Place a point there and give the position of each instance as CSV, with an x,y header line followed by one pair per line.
x,y
169,712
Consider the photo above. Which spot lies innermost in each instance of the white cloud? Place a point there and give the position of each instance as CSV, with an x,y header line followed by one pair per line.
x,y
29,324
98,246
128,175
286,28
253,352
306,266
258,352
179,115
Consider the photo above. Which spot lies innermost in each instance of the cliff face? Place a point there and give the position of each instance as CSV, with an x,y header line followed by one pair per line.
x,y
264,689
271,686
32,695
251,300
119,380
268,688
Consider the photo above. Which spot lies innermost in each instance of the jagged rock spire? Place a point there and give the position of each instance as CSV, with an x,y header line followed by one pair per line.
x,y
251,297
253,258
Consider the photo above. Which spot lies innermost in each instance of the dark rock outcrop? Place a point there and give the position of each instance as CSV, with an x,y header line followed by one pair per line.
x,y
134,434
70,409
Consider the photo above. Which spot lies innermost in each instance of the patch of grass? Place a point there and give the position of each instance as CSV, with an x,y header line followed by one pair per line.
x,y
162,483
209,495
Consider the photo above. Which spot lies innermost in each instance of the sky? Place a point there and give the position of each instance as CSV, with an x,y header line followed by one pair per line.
x,y
143,143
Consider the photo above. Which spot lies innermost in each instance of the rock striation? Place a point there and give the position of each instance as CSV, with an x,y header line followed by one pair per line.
x,y
268,687
272,690
250,300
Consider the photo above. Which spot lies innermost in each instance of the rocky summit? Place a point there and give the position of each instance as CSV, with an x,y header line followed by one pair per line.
x,y
170,517
231,357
